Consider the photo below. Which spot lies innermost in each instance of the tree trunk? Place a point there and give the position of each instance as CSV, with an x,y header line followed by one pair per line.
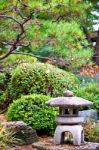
x,y
97,49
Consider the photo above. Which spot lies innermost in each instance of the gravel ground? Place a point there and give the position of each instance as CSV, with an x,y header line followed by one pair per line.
x,y
46,143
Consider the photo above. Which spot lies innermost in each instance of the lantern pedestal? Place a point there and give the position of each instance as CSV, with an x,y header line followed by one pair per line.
x,y
75,130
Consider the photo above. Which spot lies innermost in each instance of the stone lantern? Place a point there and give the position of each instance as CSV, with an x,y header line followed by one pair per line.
x,y
68,119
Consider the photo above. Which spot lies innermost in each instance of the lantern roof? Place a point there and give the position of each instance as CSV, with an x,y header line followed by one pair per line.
x,y
70,100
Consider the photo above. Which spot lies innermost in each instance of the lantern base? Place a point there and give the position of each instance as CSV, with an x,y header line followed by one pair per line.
x,y
75,130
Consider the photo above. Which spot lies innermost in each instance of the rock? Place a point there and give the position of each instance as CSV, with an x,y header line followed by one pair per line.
x,y
97,148
45,146
23,132
88,114
98,115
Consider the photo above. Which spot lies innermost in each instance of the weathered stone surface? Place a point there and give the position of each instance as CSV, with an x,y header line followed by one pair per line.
x,y
69,120
46,146
23,132
75,130
97,148
68,101
68,93
41,146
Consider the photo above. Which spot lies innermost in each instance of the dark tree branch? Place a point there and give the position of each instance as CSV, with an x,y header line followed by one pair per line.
x,y
10,44
97,49
22,30
17,40
9,17
54,61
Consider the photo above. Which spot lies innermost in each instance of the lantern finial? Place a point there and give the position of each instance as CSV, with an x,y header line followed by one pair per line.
x,y
68,93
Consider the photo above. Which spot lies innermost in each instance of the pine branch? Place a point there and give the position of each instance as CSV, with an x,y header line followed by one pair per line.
x,y
21,24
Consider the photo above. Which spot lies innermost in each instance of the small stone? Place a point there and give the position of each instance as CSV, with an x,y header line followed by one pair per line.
x,y
68,93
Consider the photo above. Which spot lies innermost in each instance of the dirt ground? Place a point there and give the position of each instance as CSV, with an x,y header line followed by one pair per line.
x,y
29,147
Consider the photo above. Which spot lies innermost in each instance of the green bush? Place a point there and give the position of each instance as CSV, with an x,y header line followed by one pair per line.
x,y
15,59
40,78
33,110
90,92
2,81
3,85
8,65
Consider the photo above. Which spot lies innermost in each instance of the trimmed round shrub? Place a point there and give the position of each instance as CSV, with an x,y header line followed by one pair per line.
x,y
90,92
15,59
8,65
33,110
40,78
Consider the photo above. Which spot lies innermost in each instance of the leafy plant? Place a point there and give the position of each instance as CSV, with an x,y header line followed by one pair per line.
x,y
33,110
7,138
2,81
91,131
39,78
30,78
90,92
14,60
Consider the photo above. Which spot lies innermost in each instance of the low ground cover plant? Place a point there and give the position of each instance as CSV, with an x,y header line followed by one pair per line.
x,y
91,131
7,138
33,110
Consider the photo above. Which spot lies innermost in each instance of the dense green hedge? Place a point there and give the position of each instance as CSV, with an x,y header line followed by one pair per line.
x,y
40,78
16,59
33,110
3,85
7,66
30,78
90,92
2,81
